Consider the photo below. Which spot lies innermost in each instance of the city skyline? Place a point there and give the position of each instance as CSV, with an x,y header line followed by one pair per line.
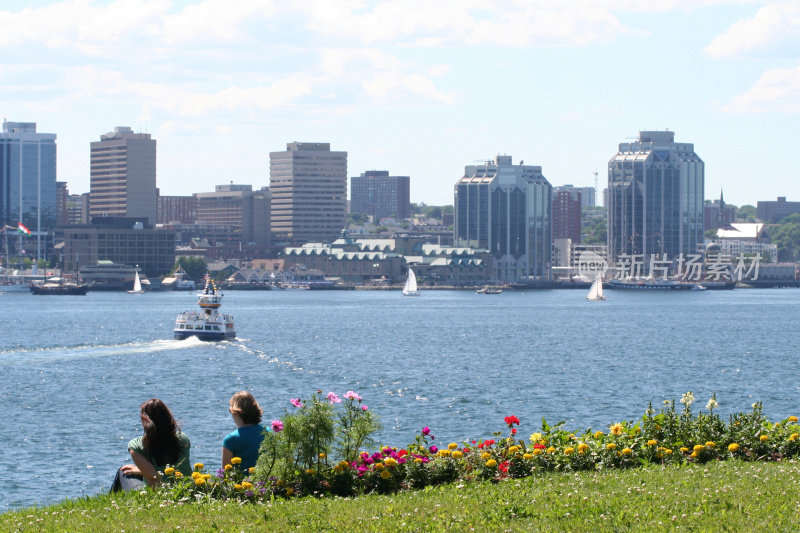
x,y
421,89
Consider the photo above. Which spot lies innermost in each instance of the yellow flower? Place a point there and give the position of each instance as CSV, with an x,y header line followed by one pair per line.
x,y
199,481
457,454
491,463
228,468
611,446
169,471
289,491
486,455
237,487
616,429
569,451
390,461
598,434
378,466
251,470
638,430
418,460
652,442
178,475
198,466
710,444
344,464
236,461
206,476
668,451
444,453
694,454
338,469
794,437
792,419
684,449
310,471
763,438
537,451
536,437
452,446
196,475
733,447
246,485
698,448
583,447
527,456
386,474
322,456
551,450
627,451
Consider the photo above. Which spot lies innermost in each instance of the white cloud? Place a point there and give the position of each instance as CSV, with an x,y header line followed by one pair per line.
x,y
777,90
773,24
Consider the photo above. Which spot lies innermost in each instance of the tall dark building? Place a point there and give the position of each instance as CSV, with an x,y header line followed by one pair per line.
x,y
380,195
567,203
655,197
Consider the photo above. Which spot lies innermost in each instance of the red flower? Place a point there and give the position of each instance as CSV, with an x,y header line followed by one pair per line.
x,y
511,420
513,431
503,467
402,453
539,446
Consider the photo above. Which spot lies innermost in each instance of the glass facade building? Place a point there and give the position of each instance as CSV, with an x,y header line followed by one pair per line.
x,y
506,209
28,179
655,198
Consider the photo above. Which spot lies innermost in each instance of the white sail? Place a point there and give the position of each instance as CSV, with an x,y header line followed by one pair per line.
x,y
596,291
137,285
410,288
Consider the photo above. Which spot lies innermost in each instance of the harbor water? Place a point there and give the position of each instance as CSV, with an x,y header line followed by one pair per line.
x,y
76,368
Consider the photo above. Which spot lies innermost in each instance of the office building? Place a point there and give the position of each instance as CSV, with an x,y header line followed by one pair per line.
x,y
123,175
379,195
28,182
244,211
506,209
62,193
655,197
308,183
182,209
770,211
567,202
78,208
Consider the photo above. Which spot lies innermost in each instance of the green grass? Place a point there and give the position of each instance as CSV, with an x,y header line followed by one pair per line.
x,y
720,496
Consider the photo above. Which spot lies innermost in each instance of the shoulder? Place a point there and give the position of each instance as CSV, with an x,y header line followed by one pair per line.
x,y
184,440
233,436
136,444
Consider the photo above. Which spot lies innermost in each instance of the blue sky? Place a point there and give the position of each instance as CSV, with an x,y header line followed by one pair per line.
x,y
415,87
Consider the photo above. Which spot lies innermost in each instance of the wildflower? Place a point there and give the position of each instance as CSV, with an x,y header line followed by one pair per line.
x,y
511,420
228,468
350,395
444,453
616,429
237,487
694,455
289,491
323,455
198,466
627,451
684,449
433,449
792,419
206,476
251,470
527,456
733,447
668,451
296,402
583,447
386,474
569,451
277,426
712,404
378,466
687,399
598,434
452,446
538,451
390,461
652,442
236,461
333,398
199,481
793,437
536,437
457,454
418,460
611,446
178,475
364,408
246,485
763,438
513,431
551,450
169,471
513,449
698,448
491,463
503,467
310,471
426,431
710,444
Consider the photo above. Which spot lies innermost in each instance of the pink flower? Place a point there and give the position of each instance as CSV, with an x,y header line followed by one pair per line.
x,y
296,402
426,431
277,426
333,398
363,407
350,395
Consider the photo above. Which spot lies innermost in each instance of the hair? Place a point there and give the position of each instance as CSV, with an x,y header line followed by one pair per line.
x,y
245,405
160,432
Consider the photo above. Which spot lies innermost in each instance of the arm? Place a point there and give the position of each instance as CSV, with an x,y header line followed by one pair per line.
x,y
227,455
145,469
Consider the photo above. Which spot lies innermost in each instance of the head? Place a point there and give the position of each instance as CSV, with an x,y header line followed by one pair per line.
x,y
160,429
245,405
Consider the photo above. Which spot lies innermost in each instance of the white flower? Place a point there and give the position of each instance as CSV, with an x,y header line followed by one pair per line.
x,y
712,404
687,399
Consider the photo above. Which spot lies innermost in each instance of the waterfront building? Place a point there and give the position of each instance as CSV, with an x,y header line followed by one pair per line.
x,y
181,209
308,183
123,175
124,240
245,211
655,197
379,195
28,182
567,257
769,211
567,204
507,210
718,214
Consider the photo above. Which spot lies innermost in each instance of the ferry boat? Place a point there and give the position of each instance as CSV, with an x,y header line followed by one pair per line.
x,y
649,285
208,324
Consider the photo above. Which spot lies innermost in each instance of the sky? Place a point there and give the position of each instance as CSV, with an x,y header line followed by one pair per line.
x,y
417,87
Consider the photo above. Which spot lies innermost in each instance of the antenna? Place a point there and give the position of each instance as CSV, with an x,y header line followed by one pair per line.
x,y
596,190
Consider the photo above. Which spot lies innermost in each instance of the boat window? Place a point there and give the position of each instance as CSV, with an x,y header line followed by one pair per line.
x,y
208,328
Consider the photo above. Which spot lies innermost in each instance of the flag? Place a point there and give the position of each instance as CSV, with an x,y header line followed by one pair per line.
x,y
22,229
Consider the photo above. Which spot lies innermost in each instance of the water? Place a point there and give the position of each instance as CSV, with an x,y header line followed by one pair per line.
x,y
76,368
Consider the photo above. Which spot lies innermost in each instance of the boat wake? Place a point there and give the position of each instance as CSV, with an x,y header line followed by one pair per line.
x,y
16,356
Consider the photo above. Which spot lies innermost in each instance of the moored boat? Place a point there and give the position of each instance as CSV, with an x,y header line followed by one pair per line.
x,y
208,324
59,286
649,285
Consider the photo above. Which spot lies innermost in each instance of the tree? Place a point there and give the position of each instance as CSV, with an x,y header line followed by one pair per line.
x,y
746,213
710,233
195,267
787,236
433,211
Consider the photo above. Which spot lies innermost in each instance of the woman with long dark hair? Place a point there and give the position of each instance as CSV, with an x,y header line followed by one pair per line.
x,y
162,445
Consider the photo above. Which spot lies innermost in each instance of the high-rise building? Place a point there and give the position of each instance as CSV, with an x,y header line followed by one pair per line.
x,y
567,203
123,175
506,209
379,195
181,209
62,193
245,211
655,198
774,211
28,179
309,192
78,208
588,196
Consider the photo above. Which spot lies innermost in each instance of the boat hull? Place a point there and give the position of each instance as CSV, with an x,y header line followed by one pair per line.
x,y
70,291
208,336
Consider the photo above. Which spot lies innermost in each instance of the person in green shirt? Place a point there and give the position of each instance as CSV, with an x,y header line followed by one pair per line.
x,y
163,444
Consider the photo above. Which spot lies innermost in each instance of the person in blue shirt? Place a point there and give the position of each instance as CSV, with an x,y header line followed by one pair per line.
x,y
246,439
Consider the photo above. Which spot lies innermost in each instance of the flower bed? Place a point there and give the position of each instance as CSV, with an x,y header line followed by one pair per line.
x,y
316,449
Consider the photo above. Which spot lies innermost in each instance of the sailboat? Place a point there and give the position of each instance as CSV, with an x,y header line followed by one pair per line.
x,y
410,288
137,285
596,291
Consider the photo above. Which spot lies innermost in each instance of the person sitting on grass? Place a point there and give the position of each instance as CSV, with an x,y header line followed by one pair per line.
x,y
245,440
162,445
